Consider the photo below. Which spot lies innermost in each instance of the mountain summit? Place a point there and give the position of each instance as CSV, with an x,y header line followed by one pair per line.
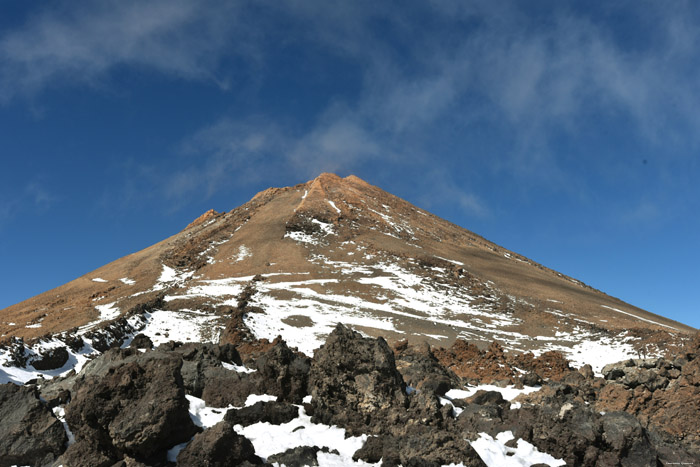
x,y
178,359
298,260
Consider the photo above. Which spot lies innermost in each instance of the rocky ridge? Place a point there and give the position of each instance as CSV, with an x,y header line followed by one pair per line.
x,y
138,406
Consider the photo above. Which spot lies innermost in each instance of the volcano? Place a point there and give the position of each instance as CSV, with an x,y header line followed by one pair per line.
x,y
332,323
301,259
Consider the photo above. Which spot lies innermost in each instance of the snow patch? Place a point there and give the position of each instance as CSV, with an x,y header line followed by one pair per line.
x,y
181,326
237,368
334,206
638,317
98,279
203,416
495,453
272,439
107,312
508,393
243,253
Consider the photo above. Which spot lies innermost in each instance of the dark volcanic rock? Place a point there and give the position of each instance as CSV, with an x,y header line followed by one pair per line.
x,y
301,456
222,387
279,372
422,371
419,446
198,360
51,359
568,429
136,408
29,432
85,453
283,373
275,413
219,446
664,395
141,341
354,382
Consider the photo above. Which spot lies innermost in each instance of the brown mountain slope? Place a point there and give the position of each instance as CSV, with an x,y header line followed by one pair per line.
x,y
338,249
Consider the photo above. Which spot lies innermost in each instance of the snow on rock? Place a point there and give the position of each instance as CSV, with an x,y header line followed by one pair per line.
x,y
495,453
127,281
98,279
203,416
301,237
327,228
255,398
170,277
20,375
272,439
237,368
337,209
181,326
107,312
60,414
509,393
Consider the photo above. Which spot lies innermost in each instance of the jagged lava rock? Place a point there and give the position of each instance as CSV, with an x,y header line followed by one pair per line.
x,y
354,382
29,432
137,408
219,446
272,412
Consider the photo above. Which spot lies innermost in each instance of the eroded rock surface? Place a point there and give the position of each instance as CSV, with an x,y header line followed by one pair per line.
x,y
29,433
137,408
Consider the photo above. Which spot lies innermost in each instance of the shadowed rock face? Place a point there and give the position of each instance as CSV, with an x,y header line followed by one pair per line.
x,y
218,446
137,409
29,432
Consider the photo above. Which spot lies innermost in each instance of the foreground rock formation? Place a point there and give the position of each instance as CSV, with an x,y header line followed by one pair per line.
x,y
139,407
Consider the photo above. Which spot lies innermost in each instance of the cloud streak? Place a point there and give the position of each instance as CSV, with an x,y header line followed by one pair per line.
x,y
468,66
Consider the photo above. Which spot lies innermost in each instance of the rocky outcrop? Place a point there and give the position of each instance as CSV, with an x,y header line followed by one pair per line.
x,y
664,395
494,366
354,382
419,446
219,446
421,370
29,433
283,373
51,359
127,408
275,413
136,408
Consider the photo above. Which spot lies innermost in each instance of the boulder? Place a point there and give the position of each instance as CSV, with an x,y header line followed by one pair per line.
x,y
275,413
219,446
29,432
419,446
355,384
141,341
51,359
137,408
422,370
300,456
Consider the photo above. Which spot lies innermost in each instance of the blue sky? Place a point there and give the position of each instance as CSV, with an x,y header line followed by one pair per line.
x,y
561,131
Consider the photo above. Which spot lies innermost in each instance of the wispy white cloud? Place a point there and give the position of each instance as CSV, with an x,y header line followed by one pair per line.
x,y
427,70
73,44
34,197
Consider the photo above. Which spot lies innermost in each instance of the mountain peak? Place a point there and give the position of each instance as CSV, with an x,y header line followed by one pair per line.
x,y
340,249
